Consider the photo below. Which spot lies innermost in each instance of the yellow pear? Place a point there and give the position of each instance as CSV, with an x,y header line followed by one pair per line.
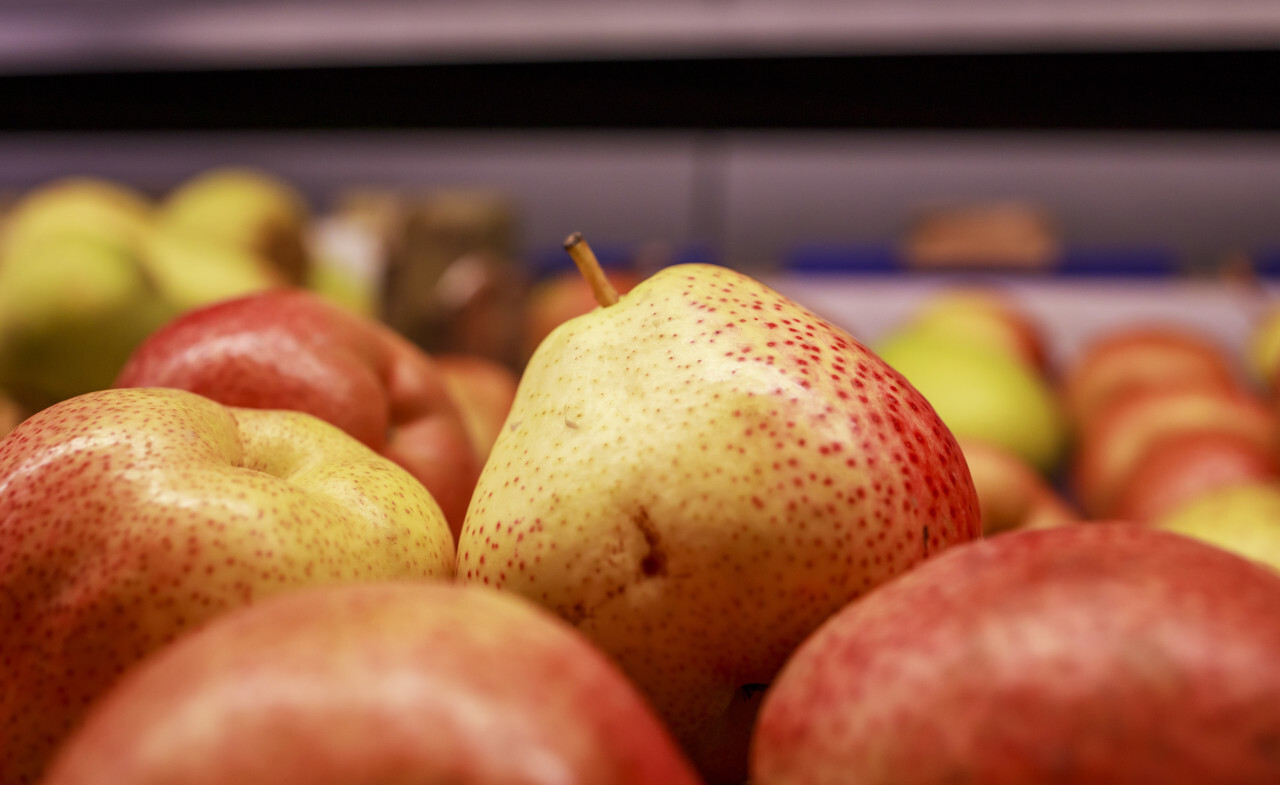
x,y
190,272
72,309
129,517
983,393
1243,518
699,473
95,209
245,208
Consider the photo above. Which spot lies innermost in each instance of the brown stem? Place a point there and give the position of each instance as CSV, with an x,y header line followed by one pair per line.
x,y
590,268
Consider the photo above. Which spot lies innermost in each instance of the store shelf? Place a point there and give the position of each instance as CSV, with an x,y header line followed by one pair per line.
x,y
82,34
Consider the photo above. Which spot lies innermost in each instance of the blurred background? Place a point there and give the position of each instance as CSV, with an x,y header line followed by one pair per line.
x,y
1092,154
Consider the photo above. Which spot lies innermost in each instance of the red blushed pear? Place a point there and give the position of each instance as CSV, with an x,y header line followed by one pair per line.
x,y
483,390
697,474
292,349
1109,653
1184,466
1012,494
1122,436
130,517
1143,357
371,685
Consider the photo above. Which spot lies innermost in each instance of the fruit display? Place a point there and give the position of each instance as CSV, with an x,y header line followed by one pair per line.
x,y
287,348
261,522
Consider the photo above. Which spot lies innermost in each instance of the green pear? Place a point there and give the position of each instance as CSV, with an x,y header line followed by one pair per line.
x,y
243,208
700,473
1243,518
190,272
72,309
95,209
982,393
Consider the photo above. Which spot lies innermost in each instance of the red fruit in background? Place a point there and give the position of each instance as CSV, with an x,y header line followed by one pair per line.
x,y
292,349
1109,653
1183,466
385,683
1143,357
1012,494
562,296
1120,438
483,390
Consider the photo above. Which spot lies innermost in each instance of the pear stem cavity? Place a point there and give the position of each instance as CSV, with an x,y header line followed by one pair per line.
x,y
589,266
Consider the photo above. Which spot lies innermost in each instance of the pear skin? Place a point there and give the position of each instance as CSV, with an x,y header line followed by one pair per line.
x,y
381,683
1105,653
130,517
698,475
245,208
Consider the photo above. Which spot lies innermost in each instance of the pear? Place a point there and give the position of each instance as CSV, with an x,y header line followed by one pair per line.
x,y
405,682
131,517
89,207
983,393
190,272
696,476
1105,653
244,208
72,309
1243,518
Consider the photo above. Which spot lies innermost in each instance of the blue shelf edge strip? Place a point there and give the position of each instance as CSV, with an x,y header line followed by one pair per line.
x,y
1082,261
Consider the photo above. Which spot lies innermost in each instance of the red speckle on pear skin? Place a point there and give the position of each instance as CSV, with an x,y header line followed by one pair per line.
x,y
129,516
707,423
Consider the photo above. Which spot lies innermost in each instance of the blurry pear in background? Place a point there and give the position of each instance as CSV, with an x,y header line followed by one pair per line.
x,y
191,273
247,209
72,308
986,316
1242,518
98,210
982,393
1262,348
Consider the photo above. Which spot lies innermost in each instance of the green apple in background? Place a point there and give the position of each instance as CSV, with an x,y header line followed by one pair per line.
x,y
72,308
982,393
373,685
131,516
696,475
245,208
1243,518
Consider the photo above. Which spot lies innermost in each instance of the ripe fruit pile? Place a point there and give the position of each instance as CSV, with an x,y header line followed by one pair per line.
x,y
709,537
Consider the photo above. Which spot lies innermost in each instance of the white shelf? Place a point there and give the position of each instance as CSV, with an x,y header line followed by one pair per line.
x,y
40,35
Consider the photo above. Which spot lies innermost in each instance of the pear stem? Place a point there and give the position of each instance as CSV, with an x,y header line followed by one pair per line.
x,y
590,268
